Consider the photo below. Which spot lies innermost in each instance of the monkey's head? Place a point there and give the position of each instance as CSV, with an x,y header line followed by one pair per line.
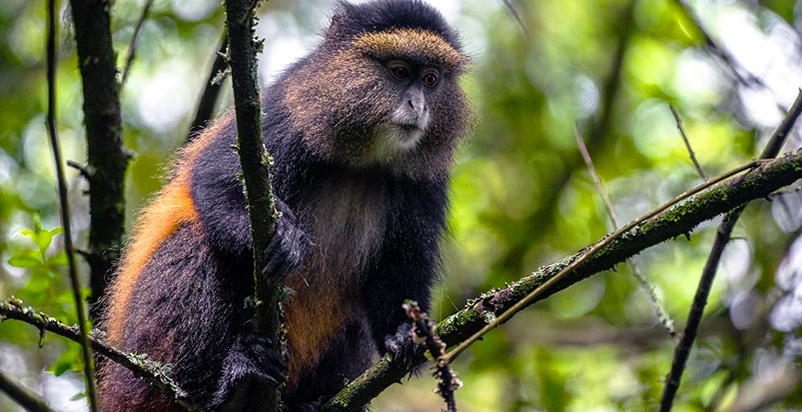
x,y
382,89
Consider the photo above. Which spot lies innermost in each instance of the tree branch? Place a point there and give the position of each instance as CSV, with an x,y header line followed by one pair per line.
x,y
683,350
23,396
106,154
211,91
255,163
89,361
738,71
676,221
662,314
151,371
135,40
687,143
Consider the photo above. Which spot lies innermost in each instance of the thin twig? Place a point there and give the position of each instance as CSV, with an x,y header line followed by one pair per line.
x,y
687,143
448,382
662,314
517,17
211,91
683,350
82,170
23,396
151,371
134,41
741,74
89,364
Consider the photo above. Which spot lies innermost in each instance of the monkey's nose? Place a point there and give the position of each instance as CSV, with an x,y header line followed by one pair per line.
x,y
418,106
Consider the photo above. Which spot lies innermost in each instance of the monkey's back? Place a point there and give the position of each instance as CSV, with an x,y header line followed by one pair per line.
x,y
168,299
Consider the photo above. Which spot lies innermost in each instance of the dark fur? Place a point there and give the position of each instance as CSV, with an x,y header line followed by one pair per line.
x,y
380,245
351,20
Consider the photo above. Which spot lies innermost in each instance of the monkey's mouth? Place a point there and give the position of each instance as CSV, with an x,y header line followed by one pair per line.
x,y
395,138
406,135
407,129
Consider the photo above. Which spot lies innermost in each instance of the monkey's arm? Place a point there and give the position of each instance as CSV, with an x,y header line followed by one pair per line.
x,y
219,198
218,195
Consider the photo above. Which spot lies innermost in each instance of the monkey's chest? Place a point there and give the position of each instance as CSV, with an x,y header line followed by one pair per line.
x,y
347,225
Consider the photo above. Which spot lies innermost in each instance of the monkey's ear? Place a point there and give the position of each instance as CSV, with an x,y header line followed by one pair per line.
x,y
332,32
338,29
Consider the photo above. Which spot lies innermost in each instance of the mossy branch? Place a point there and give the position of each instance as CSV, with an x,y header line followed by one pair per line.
x,y
151,371
676,221
255,161
106,153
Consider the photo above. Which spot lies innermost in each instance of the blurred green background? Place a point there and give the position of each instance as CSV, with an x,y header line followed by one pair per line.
x,y
521,195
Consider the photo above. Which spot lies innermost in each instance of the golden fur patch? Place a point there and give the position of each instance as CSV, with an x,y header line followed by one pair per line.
x,y
314,314
420,45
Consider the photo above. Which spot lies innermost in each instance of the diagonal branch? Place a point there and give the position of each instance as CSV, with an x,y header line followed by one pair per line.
x,y
683,349
135,40
676,221
151,371
687,143
23,396
738,71
211,91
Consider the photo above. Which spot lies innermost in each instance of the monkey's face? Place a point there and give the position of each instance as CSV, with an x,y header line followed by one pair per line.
x,y
408,118
389,99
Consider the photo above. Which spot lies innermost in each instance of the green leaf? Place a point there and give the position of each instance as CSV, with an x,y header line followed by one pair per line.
x,y
26,259
44,239
38,287
60,368
60,259
70,360
30,234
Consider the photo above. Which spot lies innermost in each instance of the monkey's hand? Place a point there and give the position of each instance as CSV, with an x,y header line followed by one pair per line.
x,y
402,348
286,251
250,364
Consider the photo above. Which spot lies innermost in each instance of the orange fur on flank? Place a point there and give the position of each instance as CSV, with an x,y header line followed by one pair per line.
x,y
161,218
313,315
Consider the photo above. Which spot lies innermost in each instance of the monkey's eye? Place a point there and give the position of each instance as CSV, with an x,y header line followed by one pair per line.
x,y
430,78
399,70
